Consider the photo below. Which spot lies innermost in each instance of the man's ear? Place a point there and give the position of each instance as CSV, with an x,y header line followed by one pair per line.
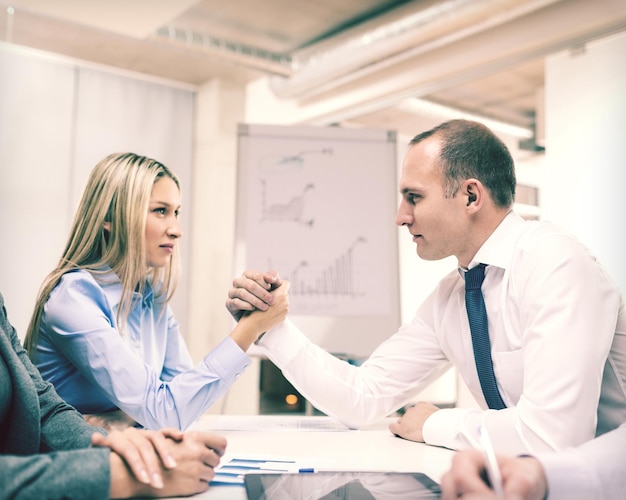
x,y
471,197
472,190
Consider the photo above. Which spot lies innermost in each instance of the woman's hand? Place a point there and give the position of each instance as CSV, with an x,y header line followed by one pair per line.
x,y
253,324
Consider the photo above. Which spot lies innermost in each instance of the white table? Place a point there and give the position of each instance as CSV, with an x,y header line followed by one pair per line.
x,y
275,437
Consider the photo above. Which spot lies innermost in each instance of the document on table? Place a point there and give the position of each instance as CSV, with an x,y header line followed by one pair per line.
x,y
274,423
231,471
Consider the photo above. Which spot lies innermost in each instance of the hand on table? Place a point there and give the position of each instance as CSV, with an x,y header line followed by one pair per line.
x,y
145,452
410,425
161,463
196,455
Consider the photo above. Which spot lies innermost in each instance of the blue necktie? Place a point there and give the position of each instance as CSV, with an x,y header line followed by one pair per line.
x,y
477,315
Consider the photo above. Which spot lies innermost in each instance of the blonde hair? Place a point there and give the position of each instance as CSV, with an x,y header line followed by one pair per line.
x,y
118,193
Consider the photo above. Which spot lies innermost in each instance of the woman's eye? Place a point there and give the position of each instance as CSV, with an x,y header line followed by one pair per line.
x,y
160,210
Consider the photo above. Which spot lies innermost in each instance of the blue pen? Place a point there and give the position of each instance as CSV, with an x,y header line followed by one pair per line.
x,y
306,470
252,468
259,461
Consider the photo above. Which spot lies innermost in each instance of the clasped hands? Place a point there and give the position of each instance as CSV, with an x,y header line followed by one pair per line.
x,y
254,290
160,463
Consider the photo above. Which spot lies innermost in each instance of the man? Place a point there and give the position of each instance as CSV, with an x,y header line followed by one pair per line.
x,y
47,450
592,471
553,363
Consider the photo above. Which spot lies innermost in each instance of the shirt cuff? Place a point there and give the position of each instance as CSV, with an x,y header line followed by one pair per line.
x,y
560,468
227,360
282,343
442,428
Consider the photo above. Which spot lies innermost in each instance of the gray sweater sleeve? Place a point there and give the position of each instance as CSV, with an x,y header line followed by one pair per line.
x,y
61,427
45,450
75,474
593,470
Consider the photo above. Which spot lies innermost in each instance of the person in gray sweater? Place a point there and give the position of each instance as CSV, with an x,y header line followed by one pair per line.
x,y
47,450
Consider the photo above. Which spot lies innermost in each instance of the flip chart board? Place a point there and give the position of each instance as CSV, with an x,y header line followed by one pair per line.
x,y
317,204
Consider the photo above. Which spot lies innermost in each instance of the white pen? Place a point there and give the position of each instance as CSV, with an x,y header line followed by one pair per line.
x,y
491,463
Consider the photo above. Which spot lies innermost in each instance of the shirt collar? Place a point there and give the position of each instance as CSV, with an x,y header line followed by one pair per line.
x,y
498,249
112,287
148,296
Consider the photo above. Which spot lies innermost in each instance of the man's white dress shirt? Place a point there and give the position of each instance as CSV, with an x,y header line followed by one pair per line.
x,y
558,337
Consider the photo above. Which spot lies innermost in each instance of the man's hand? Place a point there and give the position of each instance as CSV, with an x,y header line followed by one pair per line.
x,y
523,478
251,291
410,425
255,323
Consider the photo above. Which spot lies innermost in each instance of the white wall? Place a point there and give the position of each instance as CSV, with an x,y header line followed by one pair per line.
x,y
35,164
58,118
585,175
220,107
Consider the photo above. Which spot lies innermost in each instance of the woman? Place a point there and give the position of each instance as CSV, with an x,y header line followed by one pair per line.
x,y
46,446
102,331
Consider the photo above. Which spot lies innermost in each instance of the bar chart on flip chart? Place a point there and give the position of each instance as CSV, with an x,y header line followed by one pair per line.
x,y
317,204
